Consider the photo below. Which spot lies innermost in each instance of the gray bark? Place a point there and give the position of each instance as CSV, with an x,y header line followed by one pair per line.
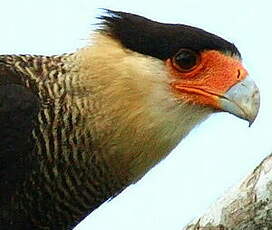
x,y
247,206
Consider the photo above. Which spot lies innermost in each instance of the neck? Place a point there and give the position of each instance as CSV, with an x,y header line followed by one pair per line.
x,y
116,119
145,120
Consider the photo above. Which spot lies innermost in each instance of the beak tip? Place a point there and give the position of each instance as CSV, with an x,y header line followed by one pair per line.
x,y
250,122
254,108
242,100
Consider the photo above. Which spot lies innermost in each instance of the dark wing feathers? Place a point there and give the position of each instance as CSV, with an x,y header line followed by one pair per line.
x,y
18,111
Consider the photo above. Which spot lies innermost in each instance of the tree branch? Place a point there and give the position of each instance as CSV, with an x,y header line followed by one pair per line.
x,y
247,206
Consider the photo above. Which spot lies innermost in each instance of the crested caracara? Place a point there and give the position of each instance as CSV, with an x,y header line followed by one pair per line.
x,y
77,129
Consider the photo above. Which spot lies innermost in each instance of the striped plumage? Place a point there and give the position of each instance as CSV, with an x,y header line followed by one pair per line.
x,y
65,179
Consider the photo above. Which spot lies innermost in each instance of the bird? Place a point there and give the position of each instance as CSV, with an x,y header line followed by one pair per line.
x,y
77,129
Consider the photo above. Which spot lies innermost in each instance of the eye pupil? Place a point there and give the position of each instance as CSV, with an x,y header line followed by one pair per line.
x,y
186,59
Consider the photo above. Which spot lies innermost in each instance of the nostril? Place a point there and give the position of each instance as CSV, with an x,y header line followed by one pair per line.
x,y
239,75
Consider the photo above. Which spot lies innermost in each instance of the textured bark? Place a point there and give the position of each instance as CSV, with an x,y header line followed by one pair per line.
x,y
247,206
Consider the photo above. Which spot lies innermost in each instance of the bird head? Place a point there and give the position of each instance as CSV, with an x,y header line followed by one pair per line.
x,y
156,82
203,69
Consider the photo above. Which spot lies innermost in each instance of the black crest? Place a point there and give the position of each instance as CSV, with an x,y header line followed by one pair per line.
x,y
160,40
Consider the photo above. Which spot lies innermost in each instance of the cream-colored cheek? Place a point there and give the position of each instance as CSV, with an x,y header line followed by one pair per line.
x,y
145,119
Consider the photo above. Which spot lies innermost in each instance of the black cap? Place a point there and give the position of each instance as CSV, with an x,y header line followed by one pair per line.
x,y
160,40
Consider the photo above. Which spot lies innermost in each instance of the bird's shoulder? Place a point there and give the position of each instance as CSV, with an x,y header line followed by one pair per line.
x,y
19,106
27,68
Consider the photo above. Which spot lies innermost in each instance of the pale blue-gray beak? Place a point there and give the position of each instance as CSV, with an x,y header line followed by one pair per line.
x,y
242,100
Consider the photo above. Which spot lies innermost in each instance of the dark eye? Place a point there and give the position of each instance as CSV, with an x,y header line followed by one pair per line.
x,y
186,60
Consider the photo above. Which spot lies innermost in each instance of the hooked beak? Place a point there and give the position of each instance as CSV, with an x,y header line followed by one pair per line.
x,y
242,100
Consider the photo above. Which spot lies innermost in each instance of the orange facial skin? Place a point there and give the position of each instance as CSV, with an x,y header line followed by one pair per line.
x,y
214,74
